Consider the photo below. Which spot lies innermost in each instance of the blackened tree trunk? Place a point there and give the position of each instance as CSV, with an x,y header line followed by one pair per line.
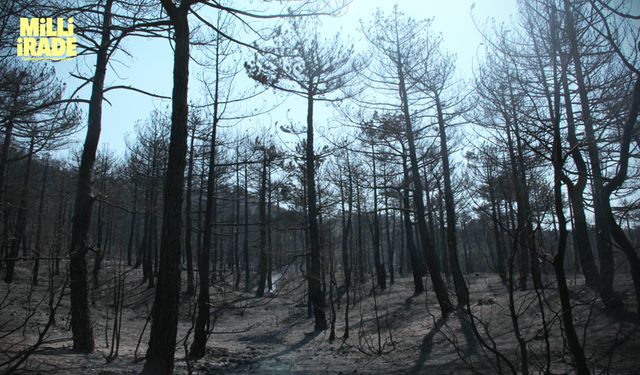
x,y
323,261
427,242
164,314
519,242
452,245
99,248
21,220
145,247
262,212
201,192
201,333
576,190
4,155
390,231
149,242
236,234
187,214
214,246
359,240
6,143
616,182
245,239
201,329
381,275
497,234
558,260
417,267
558,265
402,261
315,291
59,228
603,235
332,285
132,228
346,241
467,261
441,235
527,237
269,233
81,328
38,245
432,227
99,251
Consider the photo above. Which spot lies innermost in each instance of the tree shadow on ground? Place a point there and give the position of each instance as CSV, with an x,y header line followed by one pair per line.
x,y
272,364
308,337
623,315
427,347
409,301
271,337
467,331
427,344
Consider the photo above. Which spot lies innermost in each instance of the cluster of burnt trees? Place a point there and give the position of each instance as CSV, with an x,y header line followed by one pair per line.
x,y
548,125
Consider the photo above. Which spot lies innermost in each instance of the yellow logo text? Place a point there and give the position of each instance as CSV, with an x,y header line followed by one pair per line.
x,y
46,39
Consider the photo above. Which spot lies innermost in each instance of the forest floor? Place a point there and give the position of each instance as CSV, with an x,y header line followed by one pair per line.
x,y
272,335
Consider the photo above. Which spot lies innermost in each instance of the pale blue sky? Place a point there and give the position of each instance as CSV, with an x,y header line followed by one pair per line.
x,y
150,68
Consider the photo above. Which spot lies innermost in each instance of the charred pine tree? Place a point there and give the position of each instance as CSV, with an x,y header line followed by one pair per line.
x,y
236,230
359,236
38,240
346,194
495,220
104,165
441,234
603,233
438,73
626,139
393,37
188,208
162,341
133,220
452,243
31,98
558,160
390,227
326,68
245,239
616,182
262,217
34,121
18,233
81,326
381,275
576,195
201,333
417,267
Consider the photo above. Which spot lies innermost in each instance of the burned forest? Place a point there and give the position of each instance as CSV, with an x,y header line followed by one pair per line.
x,y
319,186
